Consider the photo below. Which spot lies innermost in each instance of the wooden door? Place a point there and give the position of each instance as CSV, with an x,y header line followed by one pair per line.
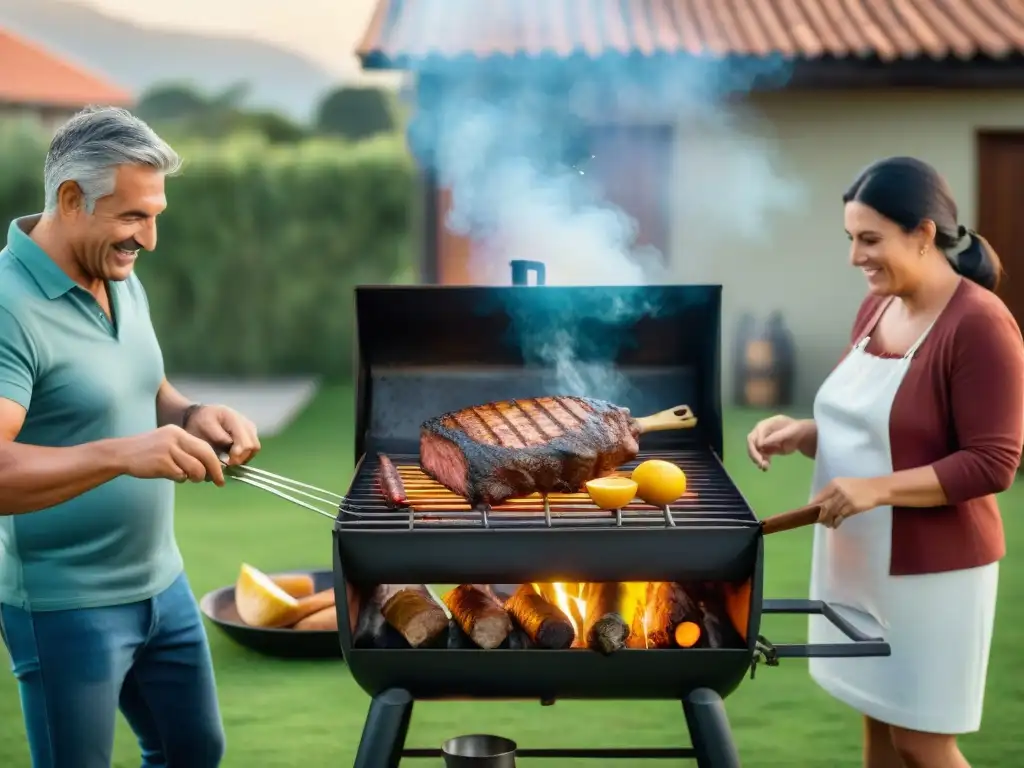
x,y
1001,209
454,251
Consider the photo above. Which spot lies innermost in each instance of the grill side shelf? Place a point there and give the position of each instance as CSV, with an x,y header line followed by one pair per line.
x,y
861,645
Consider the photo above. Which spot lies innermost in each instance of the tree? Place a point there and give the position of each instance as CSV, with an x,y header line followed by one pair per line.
x,y
192,113
355,113
172,101
276,127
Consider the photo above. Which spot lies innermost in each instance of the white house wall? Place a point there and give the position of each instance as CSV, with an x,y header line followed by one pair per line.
x,y
758,205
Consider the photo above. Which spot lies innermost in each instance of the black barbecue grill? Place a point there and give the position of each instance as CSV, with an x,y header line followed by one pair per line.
x,y
429,350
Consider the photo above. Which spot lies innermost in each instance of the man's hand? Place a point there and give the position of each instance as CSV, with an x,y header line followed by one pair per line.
x,y
846,496
170,453
222,427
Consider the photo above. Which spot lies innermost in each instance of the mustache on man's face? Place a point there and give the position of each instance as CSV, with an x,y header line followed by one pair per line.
x,y
131,244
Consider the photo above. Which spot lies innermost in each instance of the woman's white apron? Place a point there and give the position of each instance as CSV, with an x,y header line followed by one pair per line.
x,y
938,625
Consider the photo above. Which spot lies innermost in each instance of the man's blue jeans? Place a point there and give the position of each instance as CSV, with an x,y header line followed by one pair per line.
x,y
151,659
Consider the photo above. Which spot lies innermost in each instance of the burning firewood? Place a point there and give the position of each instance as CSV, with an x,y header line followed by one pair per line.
x,y
457,639
714,631
719,631
611,608
546,625
372,630
408,609
674,619
568,598
517,639
480,614
412,610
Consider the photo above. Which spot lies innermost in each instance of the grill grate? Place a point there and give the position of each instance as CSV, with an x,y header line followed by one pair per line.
x,y
711,499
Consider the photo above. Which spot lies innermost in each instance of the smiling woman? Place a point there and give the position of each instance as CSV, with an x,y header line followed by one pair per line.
x,y
914,432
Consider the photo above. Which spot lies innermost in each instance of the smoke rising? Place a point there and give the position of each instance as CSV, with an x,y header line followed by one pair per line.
x,y
577,342
508,137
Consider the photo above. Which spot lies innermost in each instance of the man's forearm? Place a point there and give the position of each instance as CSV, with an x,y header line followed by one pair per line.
x,y
170,405
34,478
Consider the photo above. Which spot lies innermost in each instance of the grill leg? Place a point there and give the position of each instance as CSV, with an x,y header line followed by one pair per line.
x,y
385,729
709,730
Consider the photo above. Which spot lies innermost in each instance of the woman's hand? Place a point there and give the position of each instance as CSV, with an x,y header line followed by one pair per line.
x,y
846,496
777,436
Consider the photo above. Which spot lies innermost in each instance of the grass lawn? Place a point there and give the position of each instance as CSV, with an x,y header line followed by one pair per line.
x,y
280,714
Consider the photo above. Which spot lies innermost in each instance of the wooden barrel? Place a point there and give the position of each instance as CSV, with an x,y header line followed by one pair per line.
x,y
765,375
785,354
745,332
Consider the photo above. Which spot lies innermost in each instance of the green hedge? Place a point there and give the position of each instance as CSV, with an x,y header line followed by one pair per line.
x,y
259,248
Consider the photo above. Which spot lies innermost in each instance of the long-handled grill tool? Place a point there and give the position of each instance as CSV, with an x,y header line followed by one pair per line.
x,y
795,518
286,488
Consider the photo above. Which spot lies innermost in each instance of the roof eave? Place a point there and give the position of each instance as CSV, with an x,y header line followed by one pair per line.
x,y
855,70
71,104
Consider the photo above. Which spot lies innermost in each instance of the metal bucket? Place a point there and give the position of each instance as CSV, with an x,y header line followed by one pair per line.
x,y
479,750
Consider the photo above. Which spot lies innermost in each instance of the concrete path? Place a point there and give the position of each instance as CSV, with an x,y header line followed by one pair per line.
x,y
272,405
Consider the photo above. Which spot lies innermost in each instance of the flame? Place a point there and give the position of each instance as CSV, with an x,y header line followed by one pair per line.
x,y
568,596
640,606
645,608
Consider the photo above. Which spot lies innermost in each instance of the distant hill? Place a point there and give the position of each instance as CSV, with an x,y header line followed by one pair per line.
x,y
137,57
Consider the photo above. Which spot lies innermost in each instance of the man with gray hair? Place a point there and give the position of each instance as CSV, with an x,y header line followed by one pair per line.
x,y
95,609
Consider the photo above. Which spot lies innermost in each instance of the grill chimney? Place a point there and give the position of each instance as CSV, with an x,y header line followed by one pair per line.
x,y
521,269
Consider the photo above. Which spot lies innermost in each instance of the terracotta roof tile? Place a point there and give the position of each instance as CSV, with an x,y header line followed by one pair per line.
x,y
37,77
808,29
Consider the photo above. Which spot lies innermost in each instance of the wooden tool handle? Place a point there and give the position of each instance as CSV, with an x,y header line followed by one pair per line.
x,y
680,417
795,518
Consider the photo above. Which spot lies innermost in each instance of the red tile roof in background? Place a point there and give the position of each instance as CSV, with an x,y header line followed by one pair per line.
x,y
809,29
34,76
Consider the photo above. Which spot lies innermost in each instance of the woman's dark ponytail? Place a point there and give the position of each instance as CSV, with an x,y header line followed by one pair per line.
x,y
977,260
908,191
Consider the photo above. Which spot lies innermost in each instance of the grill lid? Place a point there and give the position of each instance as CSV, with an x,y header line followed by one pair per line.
x,y
427,350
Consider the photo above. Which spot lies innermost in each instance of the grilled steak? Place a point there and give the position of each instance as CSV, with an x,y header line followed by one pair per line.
x,y
490,453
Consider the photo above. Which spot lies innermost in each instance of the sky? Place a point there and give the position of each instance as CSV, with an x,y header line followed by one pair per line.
x,y
324,30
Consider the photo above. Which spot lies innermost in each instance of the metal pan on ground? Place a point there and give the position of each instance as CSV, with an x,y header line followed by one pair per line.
x,y
219,607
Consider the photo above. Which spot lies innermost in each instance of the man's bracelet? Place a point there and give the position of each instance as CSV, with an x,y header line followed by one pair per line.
x,y
188,413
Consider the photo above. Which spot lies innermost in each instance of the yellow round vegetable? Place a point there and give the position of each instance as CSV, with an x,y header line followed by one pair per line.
x,y
659,482
611,492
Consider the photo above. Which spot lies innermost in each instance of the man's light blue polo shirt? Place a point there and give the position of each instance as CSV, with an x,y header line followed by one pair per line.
x,y
81,378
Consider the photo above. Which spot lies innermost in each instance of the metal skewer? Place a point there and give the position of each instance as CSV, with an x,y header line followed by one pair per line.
x,y
284,488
